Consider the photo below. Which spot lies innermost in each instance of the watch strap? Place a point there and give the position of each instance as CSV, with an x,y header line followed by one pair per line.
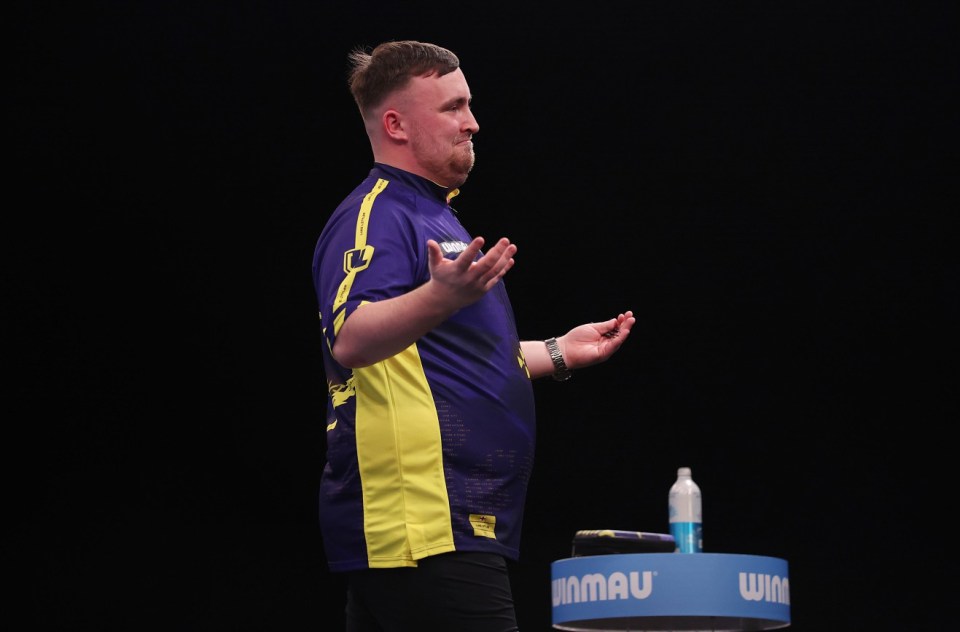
x,y
560,373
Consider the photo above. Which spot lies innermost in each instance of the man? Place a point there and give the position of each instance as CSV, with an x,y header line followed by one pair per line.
x,y
430,419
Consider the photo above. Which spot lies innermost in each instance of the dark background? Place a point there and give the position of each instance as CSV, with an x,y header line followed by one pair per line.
x,y
766,184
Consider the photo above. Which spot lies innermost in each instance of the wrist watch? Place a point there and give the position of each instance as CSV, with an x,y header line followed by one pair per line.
x,y
561,373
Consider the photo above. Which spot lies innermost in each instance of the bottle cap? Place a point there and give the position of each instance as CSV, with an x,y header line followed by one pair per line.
x,y
683,471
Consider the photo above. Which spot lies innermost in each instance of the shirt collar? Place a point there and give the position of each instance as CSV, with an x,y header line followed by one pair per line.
x,y
420,184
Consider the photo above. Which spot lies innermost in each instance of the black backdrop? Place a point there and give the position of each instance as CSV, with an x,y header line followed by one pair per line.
x,y
767,186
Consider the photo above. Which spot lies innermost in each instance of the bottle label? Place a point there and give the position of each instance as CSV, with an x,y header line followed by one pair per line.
x,y
685,509
688,535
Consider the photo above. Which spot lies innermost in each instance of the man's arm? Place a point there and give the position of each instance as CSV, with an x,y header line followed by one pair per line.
x,y
581,347
379,330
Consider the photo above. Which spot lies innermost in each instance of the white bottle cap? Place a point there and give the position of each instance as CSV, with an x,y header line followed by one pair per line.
x,y
683,471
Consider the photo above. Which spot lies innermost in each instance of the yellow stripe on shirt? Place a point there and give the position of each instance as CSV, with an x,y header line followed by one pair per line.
x,y
358,258
406,507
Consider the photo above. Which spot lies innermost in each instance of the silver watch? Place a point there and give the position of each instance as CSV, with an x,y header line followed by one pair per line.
x,y
561,373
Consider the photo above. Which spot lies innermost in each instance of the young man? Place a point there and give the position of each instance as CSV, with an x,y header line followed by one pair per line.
x,y
430,419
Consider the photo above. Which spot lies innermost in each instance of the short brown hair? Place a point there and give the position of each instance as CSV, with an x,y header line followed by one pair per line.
x,y
390,67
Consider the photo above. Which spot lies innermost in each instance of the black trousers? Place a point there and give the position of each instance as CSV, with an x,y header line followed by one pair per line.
x,y
455,592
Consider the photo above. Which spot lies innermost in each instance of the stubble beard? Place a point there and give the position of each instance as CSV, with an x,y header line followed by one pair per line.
x,y
450,170
461,165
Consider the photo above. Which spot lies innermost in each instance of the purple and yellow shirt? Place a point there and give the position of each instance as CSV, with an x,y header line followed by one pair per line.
x,y
430,450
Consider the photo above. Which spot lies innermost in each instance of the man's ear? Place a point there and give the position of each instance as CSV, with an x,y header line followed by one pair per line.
x,y
393,125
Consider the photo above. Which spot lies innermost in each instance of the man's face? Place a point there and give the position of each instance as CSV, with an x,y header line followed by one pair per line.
x,y
441,126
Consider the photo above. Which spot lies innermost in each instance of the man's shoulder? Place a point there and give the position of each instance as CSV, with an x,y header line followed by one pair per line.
x,y
373,203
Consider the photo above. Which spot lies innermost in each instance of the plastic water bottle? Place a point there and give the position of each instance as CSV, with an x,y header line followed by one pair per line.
x,y
686,513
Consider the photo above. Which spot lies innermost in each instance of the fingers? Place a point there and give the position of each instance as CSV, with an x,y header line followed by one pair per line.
x,y
500,250
499,273
434,252
499,258
493,264
465,258
620,325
